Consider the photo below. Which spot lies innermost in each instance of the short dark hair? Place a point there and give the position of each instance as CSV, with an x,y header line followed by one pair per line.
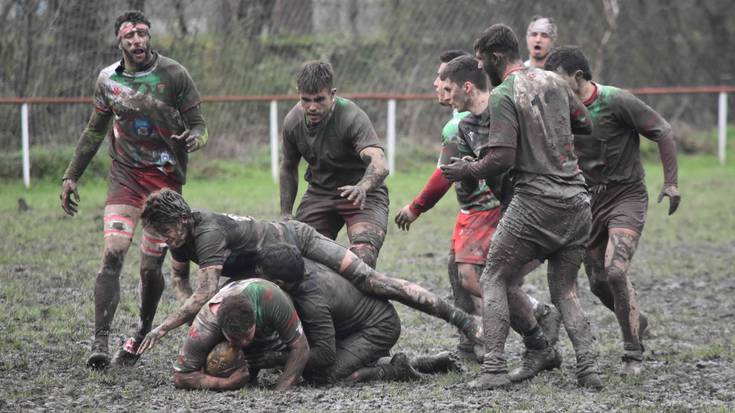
x,y
163,208
449,55
282,262
132,16
464,69
236,315
571,59
498,38
314,76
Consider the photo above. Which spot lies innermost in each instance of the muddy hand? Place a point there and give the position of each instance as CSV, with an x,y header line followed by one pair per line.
x,y
151,339
405,217
457,170
69,196
191,140
672,192
354,193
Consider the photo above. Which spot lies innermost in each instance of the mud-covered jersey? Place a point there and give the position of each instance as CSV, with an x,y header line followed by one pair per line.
x,y
472,135
333,149
230,241
534,111
276,322
147,108
612,152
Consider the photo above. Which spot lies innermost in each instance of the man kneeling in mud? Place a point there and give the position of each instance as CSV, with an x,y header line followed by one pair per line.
x,y
227,245
254,315
348,332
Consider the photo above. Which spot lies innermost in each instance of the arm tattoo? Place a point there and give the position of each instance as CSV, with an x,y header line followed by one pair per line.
x,y
376,170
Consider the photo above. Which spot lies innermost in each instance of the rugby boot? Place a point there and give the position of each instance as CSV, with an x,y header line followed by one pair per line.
x,y
400,369
489,381
99,357
444,362
468,351
126,356
536,361
549,319
632,361
587,372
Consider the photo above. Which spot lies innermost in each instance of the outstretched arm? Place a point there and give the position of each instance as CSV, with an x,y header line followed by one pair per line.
x,y
493,163
375,173
208,279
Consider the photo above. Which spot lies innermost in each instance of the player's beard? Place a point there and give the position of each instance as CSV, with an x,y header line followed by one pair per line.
x,y
494,74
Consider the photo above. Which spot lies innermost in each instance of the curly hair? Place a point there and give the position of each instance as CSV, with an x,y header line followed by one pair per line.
x,y
314,76
498,38
164,208
132,16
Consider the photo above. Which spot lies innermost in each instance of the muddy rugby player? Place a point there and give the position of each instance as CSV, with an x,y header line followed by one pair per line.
x,y
153,105
227,245
254,315
346,169
349,333
611,164
540,39
479,213
533,115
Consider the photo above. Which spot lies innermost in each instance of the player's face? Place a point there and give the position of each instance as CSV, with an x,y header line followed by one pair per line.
x,y
135,42
441,96
317,106
242,341
458,96
539,44
174,235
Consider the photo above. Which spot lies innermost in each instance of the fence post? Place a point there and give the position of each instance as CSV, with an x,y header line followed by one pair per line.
x,y
722,127
25,145
391,135
274,140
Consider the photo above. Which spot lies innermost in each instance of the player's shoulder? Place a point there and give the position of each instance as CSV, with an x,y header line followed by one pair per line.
x,y
109,71
294,117
452,126
165,62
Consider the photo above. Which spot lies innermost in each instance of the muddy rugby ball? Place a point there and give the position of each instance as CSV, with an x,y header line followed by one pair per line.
x,y
224,359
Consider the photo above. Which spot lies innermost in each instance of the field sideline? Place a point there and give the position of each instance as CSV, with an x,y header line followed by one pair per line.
x,y
684,270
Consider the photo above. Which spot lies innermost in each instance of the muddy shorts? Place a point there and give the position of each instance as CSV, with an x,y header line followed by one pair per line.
x,y
619,205
361,349
130,186
329,212
551,224
473,232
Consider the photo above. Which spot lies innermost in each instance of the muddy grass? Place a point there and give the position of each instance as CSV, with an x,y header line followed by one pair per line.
x,y
686,285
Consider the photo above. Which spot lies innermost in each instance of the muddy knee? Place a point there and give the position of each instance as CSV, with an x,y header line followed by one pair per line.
x,y
366,252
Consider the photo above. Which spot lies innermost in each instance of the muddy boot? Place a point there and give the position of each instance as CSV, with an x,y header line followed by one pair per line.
x,y
126,356
539,356
399,369
444,362
489,381
99,357
632,362
587,373
549,318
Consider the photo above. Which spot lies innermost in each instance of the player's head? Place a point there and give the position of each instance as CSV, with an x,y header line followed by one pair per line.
x,y
540,38
461,77
315,85
132,30
446,57
571,64
283,264
236,318
167,213
496,47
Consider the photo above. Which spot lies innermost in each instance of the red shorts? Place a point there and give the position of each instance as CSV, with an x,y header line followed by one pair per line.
x,y
129,186
472,235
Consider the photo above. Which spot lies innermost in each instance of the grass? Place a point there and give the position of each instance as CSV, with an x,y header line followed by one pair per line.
x,y
683,271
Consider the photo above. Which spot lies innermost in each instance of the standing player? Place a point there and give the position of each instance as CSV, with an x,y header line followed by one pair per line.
x,y
347,165
226,245
611,164
153,105
540,39
254,315
533,114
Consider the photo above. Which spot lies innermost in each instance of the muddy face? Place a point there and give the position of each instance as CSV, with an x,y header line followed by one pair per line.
x,y
135,43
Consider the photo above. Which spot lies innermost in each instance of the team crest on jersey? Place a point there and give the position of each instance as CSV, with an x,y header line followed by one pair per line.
x,y
165,157
142,127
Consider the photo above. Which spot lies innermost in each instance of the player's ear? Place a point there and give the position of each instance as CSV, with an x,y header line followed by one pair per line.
x,y
578,75
333,91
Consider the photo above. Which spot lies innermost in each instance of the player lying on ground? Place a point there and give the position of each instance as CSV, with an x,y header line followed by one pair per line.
x,y
226,245
348,331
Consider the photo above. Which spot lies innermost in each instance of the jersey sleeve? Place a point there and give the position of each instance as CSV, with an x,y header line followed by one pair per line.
x,y
504,128
100,97
281,315
641,117
361,132
211,247
187,94
201,338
